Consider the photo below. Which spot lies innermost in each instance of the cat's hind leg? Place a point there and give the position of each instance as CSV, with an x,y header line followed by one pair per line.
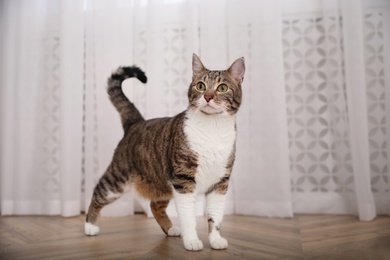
x,y
160,214
106,191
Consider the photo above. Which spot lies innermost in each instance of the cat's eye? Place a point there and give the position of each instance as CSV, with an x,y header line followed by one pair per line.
x,y
200,86
222,88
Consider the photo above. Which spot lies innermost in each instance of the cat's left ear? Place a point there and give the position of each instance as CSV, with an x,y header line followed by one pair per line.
x,y
237,70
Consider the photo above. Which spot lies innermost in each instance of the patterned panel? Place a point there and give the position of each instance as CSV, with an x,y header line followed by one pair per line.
x,y
51,162
91,168
177,71
376,99
140,57
320,159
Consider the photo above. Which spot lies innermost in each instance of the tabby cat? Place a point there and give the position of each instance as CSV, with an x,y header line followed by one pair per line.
x,y
178,157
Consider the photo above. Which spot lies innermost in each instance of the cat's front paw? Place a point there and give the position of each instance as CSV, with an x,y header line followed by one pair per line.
x,y
219,243
174,231
193,245
91,229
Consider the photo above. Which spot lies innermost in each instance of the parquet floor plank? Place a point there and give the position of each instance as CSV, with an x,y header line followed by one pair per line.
x,y
138,237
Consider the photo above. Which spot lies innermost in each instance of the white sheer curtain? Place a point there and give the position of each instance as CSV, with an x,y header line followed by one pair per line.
x,y
313,127
41,107
336,60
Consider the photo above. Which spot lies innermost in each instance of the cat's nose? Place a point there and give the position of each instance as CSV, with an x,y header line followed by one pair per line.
x,y
208,98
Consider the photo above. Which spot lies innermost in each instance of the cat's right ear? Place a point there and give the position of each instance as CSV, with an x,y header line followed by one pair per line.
x,y
197,65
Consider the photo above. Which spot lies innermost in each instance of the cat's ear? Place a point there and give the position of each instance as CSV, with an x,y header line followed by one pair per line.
x,y
197,65
237,70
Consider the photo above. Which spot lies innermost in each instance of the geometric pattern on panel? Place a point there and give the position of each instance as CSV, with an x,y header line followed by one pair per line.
x,y
50,106
320,156
90,127
140,56
376,99
177,74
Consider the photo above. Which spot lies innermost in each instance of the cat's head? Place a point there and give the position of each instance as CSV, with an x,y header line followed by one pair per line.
x,y
216,91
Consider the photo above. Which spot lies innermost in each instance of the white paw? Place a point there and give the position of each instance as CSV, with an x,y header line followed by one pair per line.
x,y
174,231
219,243
193,245
91,229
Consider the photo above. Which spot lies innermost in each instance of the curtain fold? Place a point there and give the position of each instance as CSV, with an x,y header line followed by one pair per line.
x,y
71,71
261,178
313,129
352,14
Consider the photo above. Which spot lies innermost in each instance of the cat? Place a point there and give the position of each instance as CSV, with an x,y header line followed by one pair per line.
x,y
177,157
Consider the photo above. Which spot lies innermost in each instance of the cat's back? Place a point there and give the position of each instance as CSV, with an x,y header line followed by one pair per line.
x,y
155,132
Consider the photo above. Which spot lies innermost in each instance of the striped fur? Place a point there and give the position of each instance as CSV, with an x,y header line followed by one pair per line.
x,y
183,156
128,112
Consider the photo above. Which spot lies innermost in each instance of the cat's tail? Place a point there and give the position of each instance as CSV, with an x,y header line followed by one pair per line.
x,y
128,112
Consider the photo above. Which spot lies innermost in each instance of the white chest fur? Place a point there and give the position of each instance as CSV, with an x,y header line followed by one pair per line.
x,y
212,138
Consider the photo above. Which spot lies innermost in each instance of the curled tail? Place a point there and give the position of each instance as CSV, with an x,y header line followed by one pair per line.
x,y
128,112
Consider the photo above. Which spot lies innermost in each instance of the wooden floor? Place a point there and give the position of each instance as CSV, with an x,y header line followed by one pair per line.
x,y
137,237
